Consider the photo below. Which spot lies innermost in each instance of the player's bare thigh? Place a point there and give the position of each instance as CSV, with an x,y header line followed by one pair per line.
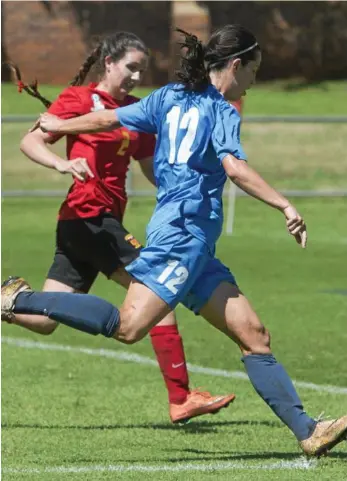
x,y
230,312
141,310
123,278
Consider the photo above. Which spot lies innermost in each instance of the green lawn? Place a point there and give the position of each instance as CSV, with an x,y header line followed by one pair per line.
x,y
67,409
106,418
290,156
270,98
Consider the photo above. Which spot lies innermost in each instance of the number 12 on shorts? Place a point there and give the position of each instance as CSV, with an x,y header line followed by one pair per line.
x,y
181,275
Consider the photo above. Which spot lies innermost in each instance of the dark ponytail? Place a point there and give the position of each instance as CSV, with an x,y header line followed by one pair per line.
x,y
192,72
226,43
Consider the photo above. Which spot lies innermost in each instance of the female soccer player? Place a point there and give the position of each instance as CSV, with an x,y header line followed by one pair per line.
x,y
91,237
198,147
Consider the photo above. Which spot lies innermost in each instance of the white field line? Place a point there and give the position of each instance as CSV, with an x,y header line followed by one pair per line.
x,y
137,358
300,463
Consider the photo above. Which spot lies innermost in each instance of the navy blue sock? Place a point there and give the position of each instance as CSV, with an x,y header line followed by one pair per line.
x,y
273,384
80,311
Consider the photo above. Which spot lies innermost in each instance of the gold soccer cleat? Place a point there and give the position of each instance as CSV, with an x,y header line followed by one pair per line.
x,y
326,435
9,292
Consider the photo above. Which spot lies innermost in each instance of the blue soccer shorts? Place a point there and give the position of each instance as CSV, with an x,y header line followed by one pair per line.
x,y
178,267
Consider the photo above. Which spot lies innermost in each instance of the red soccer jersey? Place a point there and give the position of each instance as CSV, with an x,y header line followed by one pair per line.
x,y
107,153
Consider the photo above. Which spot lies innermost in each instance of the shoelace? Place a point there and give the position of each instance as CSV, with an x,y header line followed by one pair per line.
x,y
321,417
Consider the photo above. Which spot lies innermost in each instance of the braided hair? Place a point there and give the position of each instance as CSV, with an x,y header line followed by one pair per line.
x,y
114,46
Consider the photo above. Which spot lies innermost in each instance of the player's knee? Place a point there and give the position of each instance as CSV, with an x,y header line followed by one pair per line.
x,y
129,332
262,334
260,343
256,340
128,338
266,337
129,335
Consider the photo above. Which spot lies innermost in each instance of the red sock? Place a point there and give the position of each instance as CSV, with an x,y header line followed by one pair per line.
x,y
168,347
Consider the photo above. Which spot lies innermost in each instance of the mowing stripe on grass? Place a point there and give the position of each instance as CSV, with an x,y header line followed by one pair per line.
x,y
137,358
300,463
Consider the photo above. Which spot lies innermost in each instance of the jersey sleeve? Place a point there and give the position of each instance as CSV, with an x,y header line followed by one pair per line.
x,y
142,116
146,146
68,105
226,133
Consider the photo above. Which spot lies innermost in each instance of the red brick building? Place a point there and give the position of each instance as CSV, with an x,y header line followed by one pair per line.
x,y
50,39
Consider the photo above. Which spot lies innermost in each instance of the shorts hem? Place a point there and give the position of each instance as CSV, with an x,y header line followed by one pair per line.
x,y
68,283
196,306
156,291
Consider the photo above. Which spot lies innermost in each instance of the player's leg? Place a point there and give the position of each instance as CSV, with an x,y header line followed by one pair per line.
x,y
230,312
165,337
184,404
165,271
87,313
167,279
168,347
117,248
37,323
65,275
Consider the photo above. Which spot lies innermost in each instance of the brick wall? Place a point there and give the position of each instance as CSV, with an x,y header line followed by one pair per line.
x,y
298,39
46,42
49,40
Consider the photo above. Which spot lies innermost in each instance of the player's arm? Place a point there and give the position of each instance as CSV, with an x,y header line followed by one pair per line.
x,y
140,116
251,182
35,146
226,142
101,121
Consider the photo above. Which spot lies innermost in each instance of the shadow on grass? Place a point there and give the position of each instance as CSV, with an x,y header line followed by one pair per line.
x,y
247,456
190,454
192,427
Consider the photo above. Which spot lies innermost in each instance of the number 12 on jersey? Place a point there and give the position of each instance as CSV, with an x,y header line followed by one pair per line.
x,y
189,122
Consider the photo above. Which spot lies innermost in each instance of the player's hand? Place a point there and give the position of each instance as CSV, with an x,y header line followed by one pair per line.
x,y
78,168
296,225
48,123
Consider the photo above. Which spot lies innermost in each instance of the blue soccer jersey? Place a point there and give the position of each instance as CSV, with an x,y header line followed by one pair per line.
x,y
195,132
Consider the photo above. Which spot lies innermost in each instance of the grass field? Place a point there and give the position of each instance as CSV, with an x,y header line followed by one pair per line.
x,y
290,156
269,98
78,407
73,410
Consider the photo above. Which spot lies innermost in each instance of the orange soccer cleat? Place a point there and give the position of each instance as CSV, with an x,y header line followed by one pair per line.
x,y
197,404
